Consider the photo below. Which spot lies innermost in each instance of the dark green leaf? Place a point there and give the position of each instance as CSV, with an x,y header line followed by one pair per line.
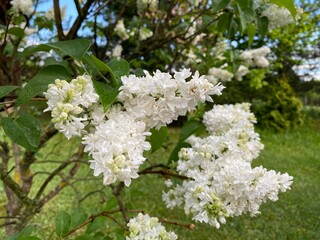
x,y
63,221
74,48
16,31
219,4
188,129
106,93
111,203
94,226
288,4
101,66
224,22
263,25
85,237
28,238
4,90
251,31
78,216
39,83
158,137
246,15
24,131
119,67
25,232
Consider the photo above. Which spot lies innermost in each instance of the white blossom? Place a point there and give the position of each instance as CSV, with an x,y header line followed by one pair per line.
x,y
151,5
277,16
241,72
159,99
121,30
216,75
116,51
221,182
143,227
24,6
145,33
256,57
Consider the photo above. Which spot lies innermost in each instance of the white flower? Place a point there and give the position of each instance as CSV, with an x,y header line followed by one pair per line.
x,y
221,182
121,31
277,16
145,33
143,5
144,227
216,75
116,51
24,6
256,57
116,146
241,72
159,99
68,103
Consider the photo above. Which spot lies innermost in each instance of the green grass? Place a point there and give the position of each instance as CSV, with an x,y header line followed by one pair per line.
x,y
294,216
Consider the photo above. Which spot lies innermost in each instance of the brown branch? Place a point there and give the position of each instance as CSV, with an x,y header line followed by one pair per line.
x,y
92,218
14,187
63,183
57,16
75,157
116,192
7,223
162,172
77,23
190,226
78,6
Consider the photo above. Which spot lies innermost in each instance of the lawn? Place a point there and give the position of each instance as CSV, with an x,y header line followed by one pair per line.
x,y
294,216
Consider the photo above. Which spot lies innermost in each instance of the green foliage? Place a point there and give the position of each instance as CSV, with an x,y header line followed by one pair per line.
x,y
39,83
4,90
63,222
107,94
158,137
281,108
25,131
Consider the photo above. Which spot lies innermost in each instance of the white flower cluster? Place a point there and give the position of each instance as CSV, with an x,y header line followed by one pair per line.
x,y
222,182
24,6
241,72
144,227
151,5
216,75
145,33
121,30
277,16
68,103
256,57
116,139
159,99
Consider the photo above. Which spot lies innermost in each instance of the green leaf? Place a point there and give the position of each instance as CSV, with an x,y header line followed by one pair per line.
x,y
119,67
224,22
288,4
4,90
219,4
251,31
16,31
63,221
39,83
24,131
74,48
78,216
28,238
94,226
263,23
188,129
85,237
246,15
111,203
26,232
158,137
107,94
101,66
